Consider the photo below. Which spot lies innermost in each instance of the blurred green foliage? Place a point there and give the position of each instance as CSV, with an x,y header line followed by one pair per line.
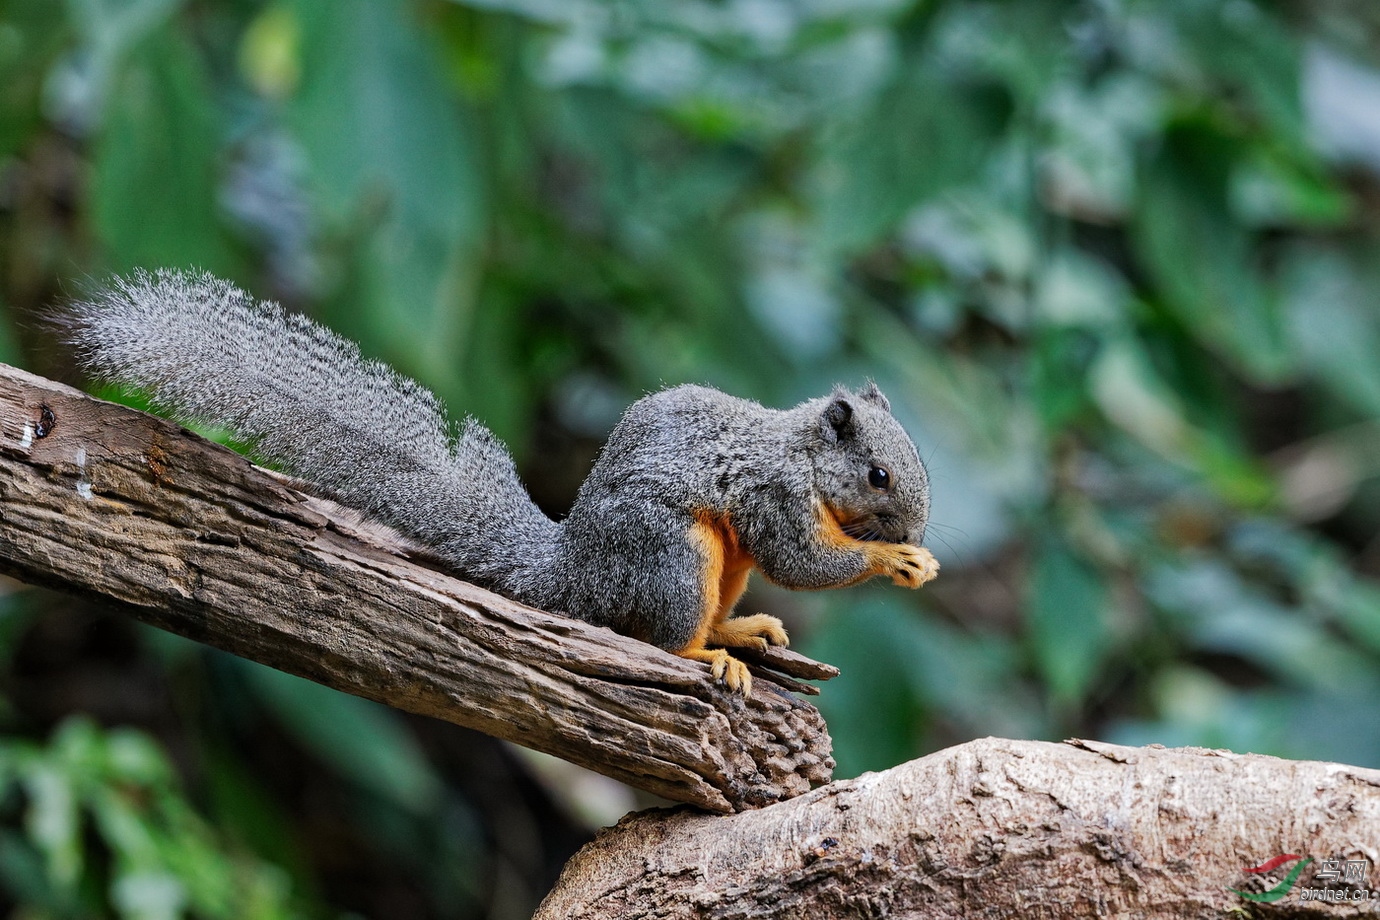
x,y
1114,261
160,859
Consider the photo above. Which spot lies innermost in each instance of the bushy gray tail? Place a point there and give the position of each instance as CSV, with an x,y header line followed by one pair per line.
x,y
309,402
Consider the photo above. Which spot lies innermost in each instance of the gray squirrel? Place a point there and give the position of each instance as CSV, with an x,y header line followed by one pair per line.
x,y
693,489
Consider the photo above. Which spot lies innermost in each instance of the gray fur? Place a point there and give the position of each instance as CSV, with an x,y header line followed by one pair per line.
x,y
380,442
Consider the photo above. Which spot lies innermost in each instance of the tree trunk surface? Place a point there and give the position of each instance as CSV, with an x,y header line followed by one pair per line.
x,y
996,828
104,501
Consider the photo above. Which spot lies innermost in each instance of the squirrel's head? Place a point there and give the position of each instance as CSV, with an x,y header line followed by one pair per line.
x,y
867,470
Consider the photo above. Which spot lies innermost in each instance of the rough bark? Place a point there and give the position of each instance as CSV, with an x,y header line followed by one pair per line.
x,y
101,500
998,828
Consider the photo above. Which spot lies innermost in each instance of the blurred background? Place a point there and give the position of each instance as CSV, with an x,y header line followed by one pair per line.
x,y
1116,263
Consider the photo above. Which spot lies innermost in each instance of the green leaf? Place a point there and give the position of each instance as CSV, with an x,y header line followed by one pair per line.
x,y
118,25
24,879
270,53
1332,309
1130,393
32,33
131,830
148,896
394,164
1250,51
52,821
1272,191
1076,289
1060,356
155,170
1200,257
1067,620
134,757
790,298
89,80
919,136
377,118
1223,613
1359,612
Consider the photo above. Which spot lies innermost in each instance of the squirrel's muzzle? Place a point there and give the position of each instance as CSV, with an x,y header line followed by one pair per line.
x,y
881,528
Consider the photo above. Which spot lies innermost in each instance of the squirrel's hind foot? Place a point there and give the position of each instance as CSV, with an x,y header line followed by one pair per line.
x,y
757,631
722,666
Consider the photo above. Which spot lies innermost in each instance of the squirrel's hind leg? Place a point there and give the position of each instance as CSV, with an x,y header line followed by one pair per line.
x,y
722,578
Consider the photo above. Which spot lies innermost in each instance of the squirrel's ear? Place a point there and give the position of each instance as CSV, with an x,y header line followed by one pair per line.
x,y
872,394
836,422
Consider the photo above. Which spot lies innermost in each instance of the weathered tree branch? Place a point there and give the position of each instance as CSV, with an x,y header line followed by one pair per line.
x,y
100,500
998,828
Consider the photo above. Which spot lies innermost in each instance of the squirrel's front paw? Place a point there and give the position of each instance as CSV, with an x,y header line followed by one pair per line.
x,y
757,631
906,565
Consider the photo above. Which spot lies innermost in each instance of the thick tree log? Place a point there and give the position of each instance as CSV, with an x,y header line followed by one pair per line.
x,y
998,828
101,500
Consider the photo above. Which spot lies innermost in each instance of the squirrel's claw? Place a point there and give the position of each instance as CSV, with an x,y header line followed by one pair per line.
x,y
921,566
732,672
906,565
722,667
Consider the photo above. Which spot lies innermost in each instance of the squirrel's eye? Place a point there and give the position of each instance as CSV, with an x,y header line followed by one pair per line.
x,y
879,477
